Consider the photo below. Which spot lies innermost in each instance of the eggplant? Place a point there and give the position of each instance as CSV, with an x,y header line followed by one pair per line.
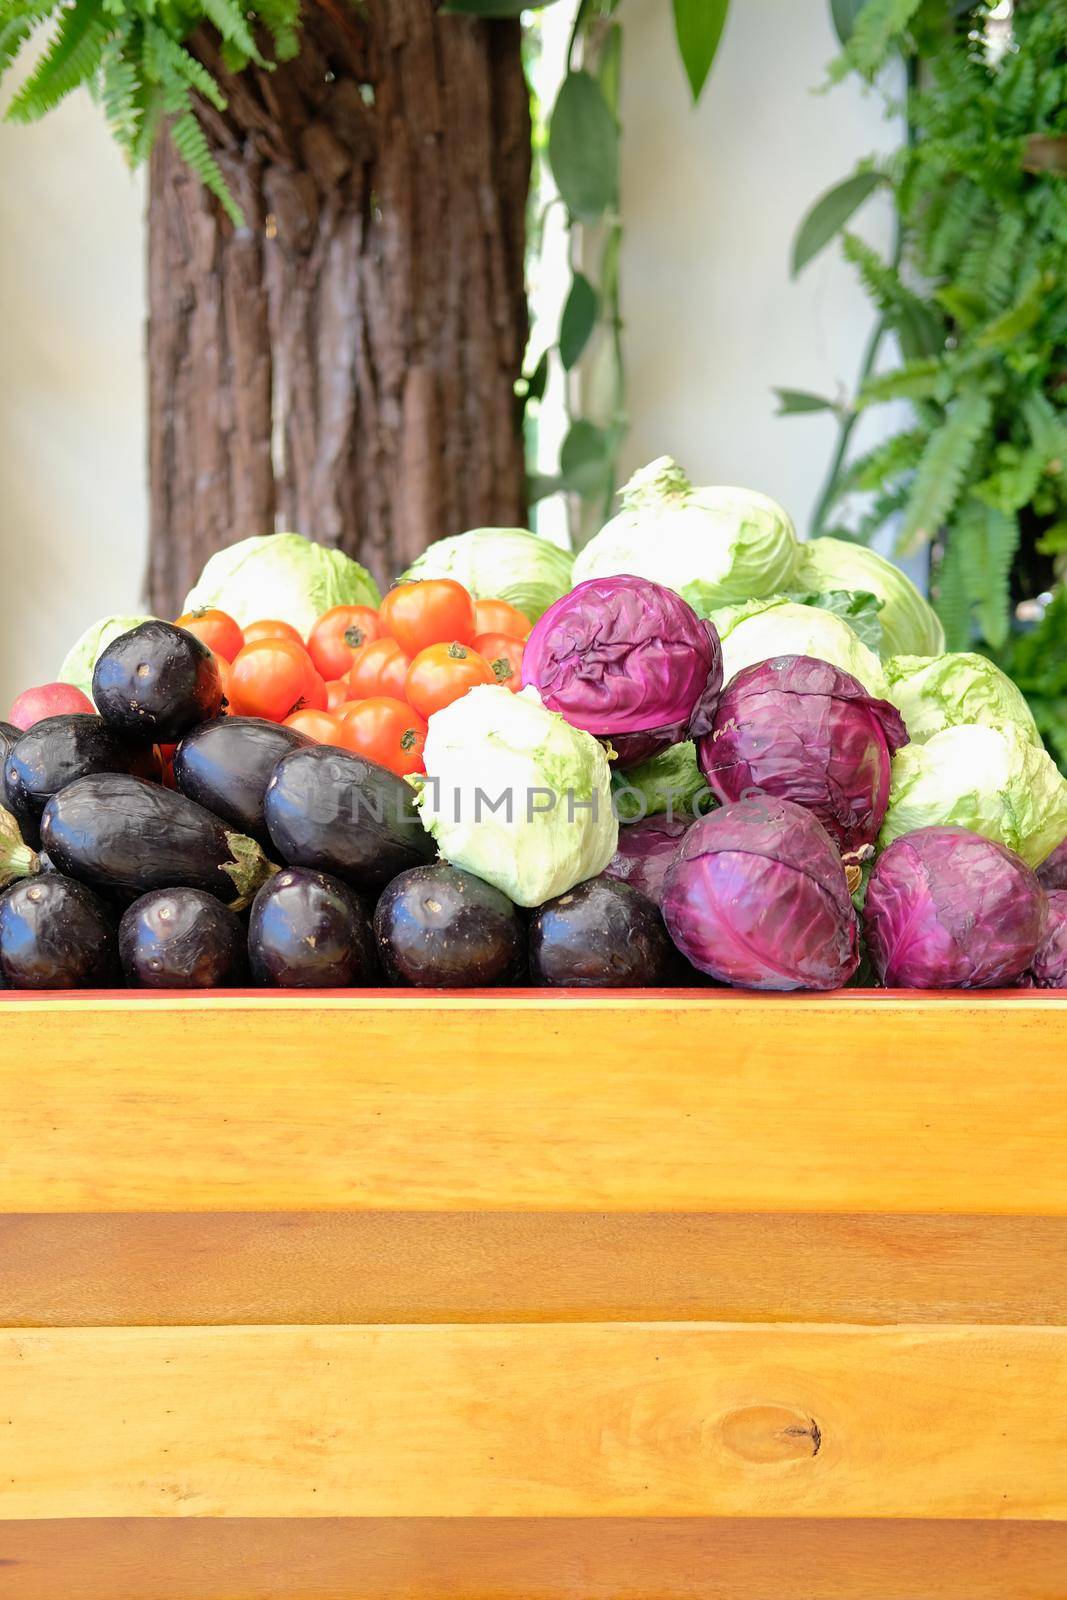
x,y
226,765
57,934
182,939
602,934
159,681
310,931
438,927
55,752
120,833
345,816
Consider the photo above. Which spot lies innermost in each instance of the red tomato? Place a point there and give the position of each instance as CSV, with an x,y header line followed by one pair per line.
x,y
379,668
226,675
272,678
50,700
433,611
165,752
442,673
496,616
317,697
344,708
318,725
215,629
271,628
336,693
338,634
504,655
386,731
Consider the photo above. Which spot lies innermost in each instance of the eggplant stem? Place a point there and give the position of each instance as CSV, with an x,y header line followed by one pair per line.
x,y
17,860
249,869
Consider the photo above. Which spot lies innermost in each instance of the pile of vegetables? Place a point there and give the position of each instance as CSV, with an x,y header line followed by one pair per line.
x,y
720,756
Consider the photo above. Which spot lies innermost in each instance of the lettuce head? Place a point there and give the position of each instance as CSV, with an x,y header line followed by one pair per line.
x,y
284,576
937,692
784,627
909,623
509,564
83,655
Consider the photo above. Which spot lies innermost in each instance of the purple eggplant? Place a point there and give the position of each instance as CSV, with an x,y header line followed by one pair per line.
x,y
226,765
57,751
440,928
57,934
602,934
310,931
158,681
182,939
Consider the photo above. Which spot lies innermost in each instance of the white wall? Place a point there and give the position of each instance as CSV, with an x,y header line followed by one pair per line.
x,y
72,426
711,198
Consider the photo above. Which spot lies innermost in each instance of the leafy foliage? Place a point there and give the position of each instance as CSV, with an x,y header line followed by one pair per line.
x,y
977,298
133,56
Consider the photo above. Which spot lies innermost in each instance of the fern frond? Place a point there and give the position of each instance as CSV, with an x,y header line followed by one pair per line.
x,y
119,81
984,542
167,62
949,453
71,59
281,18
882,508
191,143
877,28
960,218
229,19
20,18
919,329
886,461
950,597
1002,332
923,379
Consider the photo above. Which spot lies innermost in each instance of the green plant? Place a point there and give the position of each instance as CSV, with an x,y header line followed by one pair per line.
x,y
132,55
976,296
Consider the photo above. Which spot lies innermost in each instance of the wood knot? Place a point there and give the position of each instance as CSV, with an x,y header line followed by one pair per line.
x,y
771,1433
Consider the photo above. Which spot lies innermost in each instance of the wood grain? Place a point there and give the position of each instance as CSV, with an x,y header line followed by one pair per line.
x,y
548,1420
502,1559
358,1267
850,1103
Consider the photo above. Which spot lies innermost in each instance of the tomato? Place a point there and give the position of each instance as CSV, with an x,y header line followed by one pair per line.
x,y
496,616
336,693
272,678
344,708
226,674
317,697
338,634
271,628
318,725
379,668
443,672
504,655
215,629
165,753
387,731
433,611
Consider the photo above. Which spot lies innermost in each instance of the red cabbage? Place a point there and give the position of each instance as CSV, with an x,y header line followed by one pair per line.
x,y
646,849
949,909
757,897
629,661
1049,967
803,730
1053,870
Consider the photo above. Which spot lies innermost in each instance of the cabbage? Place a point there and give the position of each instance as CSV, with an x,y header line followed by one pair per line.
x,y
910,625
509,564
801,729
670,782
713,545
1049,966
780,626
623,657
553,826
282,576
645,852
757,897
990,780
947,909
936,692
82,657
1053,870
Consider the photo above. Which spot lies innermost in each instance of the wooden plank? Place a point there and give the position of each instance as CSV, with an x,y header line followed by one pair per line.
x,y
546,1420
502,1559
358,1267
893,1103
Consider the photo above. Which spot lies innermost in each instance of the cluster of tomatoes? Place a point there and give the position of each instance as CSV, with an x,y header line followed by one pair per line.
x,y
369,680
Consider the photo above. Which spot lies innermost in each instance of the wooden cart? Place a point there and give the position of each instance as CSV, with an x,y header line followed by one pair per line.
x,y
405,1297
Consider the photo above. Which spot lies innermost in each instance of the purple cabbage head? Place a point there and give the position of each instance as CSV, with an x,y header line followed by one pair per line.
x,y
948,909
1053,870
757,897
805,731
646,849
629,661
1049,967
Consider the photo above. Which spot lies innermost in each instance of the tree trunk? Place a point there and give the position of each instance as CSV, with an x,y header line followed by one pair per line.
x,y
344,364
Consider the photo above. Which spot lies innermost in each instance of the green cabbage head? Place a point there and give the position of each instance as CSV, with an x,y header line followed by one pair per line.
x,y
910,625
991,780
83,655
784,627
937,692
670,782
283,576
516,795
509,564
715,546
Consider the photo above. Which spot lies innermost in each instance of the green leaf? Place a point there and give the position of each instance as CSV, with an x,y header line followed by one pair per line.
x,y
493,8
922,379
843,14
858,608
1003,331
829,214
539,486
945,460
578,321
70,60
698,26
584,460
796,402
877,27
535,383
583,146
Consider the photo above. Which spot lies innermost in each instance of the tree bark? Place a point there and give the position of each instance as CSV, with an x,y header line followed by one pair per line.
x,y
344,364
